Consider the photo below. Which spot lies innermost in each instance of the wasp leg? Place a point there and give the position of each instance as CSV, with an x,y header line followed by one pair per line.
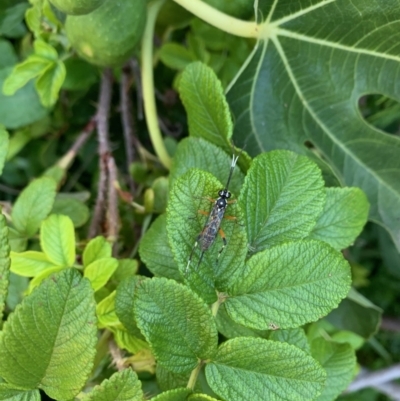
x,y
235,219
222,234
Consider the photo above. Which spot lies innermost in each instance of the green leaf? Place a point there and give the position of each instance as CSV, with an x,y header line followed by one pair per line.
x,y
345,214
36,281
177,324
178,394
282,198
208,113
10,393
175,56
124,340
124,304
167,380
252,368
357,314
24,72
80,75
76,210
126,268
121,386
57,239
22,108
201,397
30,263
302,84
97,248
185,223
8,55
49,83
33,205
105,311
45,50
289,285
196,152
296,337
55,327
339,362
100,271
155,251
11,22
4,263
3,147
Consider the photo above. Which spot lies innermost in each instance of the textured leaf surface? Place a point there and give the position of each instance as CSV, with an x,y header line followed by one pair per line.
x,y
49,83
105,311
345,214
156,253
303,82
196,152
282,198
57,239
100,271
204,100
97,248
9,393
339,362
201,397
121,386
185,223
33,205
179,394
258,370
176,323
289,285
3,147
4,263
296,337
30,263
52,335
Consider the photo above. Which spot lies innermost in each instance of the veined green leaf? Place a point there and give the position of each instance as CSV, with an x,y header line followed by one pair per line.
x,y
189,195
76,210
3,147
126,268
247,368
121,386
4,263
57,239
97,248
302,84
201,397
282,198
296,337
345,214
100,271
339,362
177,324
56,329
33,205
167,380
156,253
204,100
175,56
178,394
105,311
37,280
45,50
124,340
30,263
49,83
10,393
289,285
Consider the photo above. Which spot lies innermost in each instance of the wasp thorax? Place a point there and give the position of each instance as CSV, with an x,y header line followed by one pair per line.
x,y
221,203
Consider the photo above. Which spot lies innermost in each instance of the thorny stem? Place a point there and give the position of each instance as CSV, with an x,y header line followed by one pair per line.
x,y
194,375
224,22
148,85
112,215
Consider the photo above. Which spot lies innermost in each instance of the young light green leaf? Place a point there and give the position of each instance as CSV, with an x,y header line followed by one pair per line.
x,y
56,329
105,311
290,93
178,394
126,268
339,362
45,50
177,324
196,152
33,205
156,253
254,369
57,239
121,386
76,210
124,340
289,285
4,263
30,263
100,271
282,198
175,56
345,214
190,195
49,83
204,100
124,304
37,280
296,337
3,147
10,393
97,248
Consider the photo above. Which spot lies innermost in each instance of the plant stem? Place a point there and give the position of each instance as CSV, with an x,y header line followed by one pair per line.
x,y
222,21
194,375
148,84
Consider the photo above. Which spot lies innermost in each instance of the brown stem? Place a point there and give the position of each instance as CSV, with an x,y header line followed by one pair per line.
x,y
112,215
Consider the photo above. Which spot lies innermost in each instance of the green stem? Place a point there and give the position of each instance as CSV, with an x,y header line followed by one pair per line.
x,y
148,84
224,22
194,375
